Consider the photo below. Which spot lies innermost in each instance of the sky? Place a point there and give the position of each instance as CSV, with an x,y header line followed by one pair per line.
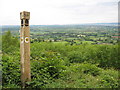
x,y
49,12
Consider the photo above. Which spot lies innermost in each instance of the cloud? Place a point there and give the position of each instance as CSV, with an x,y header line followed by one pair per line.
x,y
59,11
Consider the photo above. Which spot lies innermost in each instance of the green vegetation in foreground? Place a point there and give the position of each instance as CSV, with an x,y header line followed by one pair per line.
x,y
60,65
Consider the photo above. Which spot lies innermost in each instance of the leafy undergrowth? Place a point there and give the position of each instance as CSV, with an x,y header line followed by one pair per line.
x,y
54,72
55,65
86,75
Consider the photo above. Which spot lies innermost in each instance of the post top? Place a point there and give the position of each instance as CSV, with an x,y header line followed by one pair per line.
x,y
24,15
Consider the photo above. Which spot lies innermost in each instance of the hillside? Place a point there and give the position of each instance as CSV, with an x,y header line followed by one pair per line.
x,y
63,56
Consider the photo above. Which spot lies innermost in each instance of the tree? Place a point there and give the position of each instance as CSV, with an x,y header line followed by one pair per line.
x,y
9,42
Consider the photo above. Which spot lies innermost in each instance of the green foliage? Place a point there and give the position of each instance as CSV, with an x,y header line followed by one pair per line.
x,y
75,76
87,68
46,69
109,78
9,43
57,65
104,55
108,56
11,69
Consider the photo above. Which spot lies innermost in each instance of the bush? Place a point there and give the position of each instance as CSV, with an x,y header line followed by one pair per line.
x,y
109,78
86,68
10,70
85,75
9,43
56,65
46,69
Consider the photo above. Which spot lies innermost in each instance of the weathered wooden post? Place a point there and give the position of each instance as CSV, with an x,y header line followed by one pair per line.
x,y
25,47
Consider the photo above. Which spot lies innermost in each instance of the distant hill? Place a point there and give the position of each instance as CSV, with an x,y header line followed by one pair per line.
x,y
61,28
65,24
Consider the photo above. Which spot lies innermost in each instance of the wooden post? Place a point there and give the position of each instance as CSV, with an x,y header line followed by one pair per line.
x,y
25,47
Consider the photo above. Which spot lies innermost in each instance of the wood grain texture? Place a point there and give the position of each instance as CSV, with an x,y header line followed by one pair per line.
x,y
25,53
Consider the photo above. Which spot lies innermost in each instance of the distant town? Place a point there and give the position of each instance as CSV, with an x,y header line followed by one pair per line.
x,y
97,33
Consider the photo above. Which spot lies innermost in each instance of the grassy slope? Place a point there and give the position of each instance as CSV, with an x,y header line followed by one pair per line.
x,y
56,65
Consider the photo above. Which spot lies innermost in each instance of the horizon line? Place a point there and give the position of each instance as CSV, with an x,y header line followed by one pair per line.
x,y
61,24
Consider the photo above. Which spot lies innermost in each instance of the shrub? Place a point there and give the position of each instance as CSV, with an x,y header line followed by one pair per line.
x,y
46,69
10,70
86,68
9,43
